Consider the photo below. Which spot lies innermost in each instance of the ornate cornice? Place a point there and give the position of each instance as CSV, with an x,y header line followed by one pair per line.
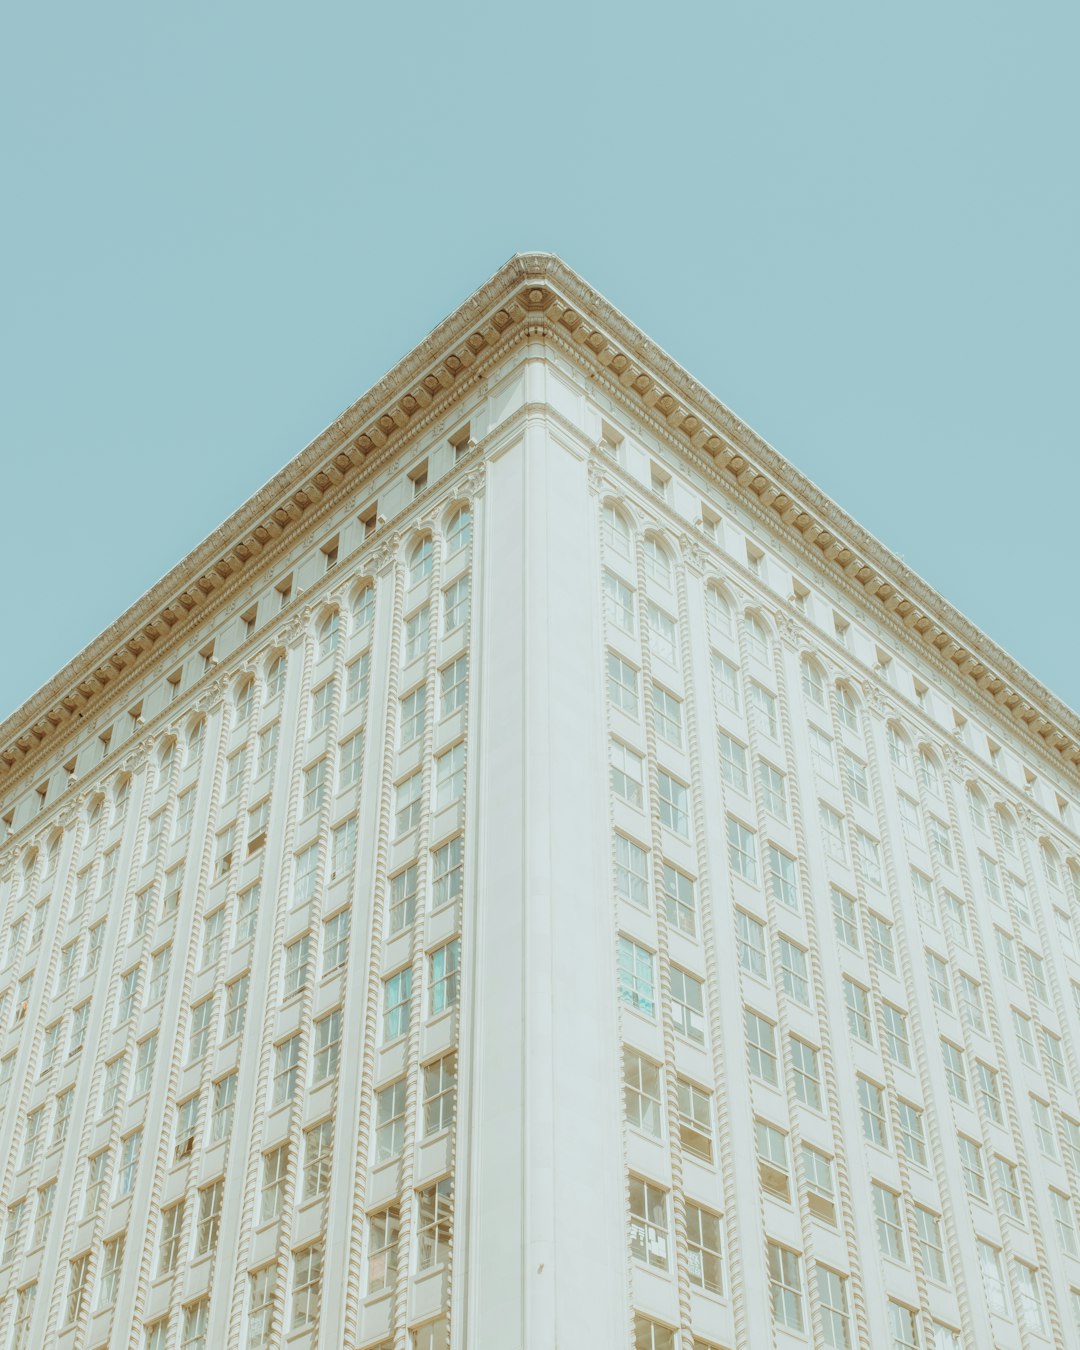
x,y
535,295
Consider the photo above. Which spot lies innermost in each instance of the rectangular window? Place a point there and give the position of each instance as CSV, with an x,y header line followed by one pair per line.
x,y
235,1006
833,1302
763,710
880,942
187,1126
343,848
663,639
761,1047
742,850
679,902
622,684
416,635
695,1120
785,1287
450,776
314,788
857,1002
872,1110
172,1223
989,1092
845,922
77,1282
1008,1186
752,945
855,776
413,715
971,1003
213,936
456,604
286,1069
912,1133
397,1002
820,1185
389,1121
335,944
209,1220
145,1054
649,1223
821,752
794,972
704,1249
733,763
1029,1298
454,685
446,878
631,871
637,979
887,1219
383,1230
993,1276
130,1148
266,749
274,1176
619,603
688,1005
928,1227
434,1219
806,1073
327,1048
832,833
1044,1126
674,804
774,1168
955,1073
260,1307
782,877
357,676
318,1158
350,761
306,1286
322,707
896,1034
440,1094
667,713
725,682
247,912
403,898
296,966
627,774
869,851
443,968
641,1093
97,1170
773,790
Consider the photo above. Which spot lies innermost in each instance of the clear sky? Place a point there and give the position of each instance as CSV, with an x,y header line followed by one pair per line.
x,y
857,224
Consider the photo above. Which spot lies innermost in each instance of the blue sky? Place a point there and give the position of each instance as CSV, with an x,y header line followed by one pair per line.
x,y
856,224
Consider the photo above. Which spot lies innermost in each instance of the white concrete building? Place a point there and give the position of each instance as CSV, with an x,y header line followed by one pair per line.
x,y
540,876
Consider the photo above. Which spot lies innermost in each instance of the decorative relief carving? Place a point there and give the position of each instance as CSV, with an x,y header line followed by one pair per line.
x,y
954,761
693,554
876,701
791,633
472,485
384,557
597,477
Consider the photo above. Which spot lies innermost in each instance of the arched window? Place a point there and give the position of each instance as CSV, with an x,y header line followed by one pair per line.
x,y
978,809
94,816
929,772
847,710
275,676
196,739
1073,872
1051,864
757,637
1008,829
363,607
52,853
120,796
718,611
245,700
616,531
329,631
420,561
28,869
459,531
898,748
657,562
813,682
165,760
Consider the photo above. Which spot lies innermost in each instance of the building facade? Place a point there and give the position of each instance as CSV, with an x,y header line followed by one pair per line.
x,y
540,876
